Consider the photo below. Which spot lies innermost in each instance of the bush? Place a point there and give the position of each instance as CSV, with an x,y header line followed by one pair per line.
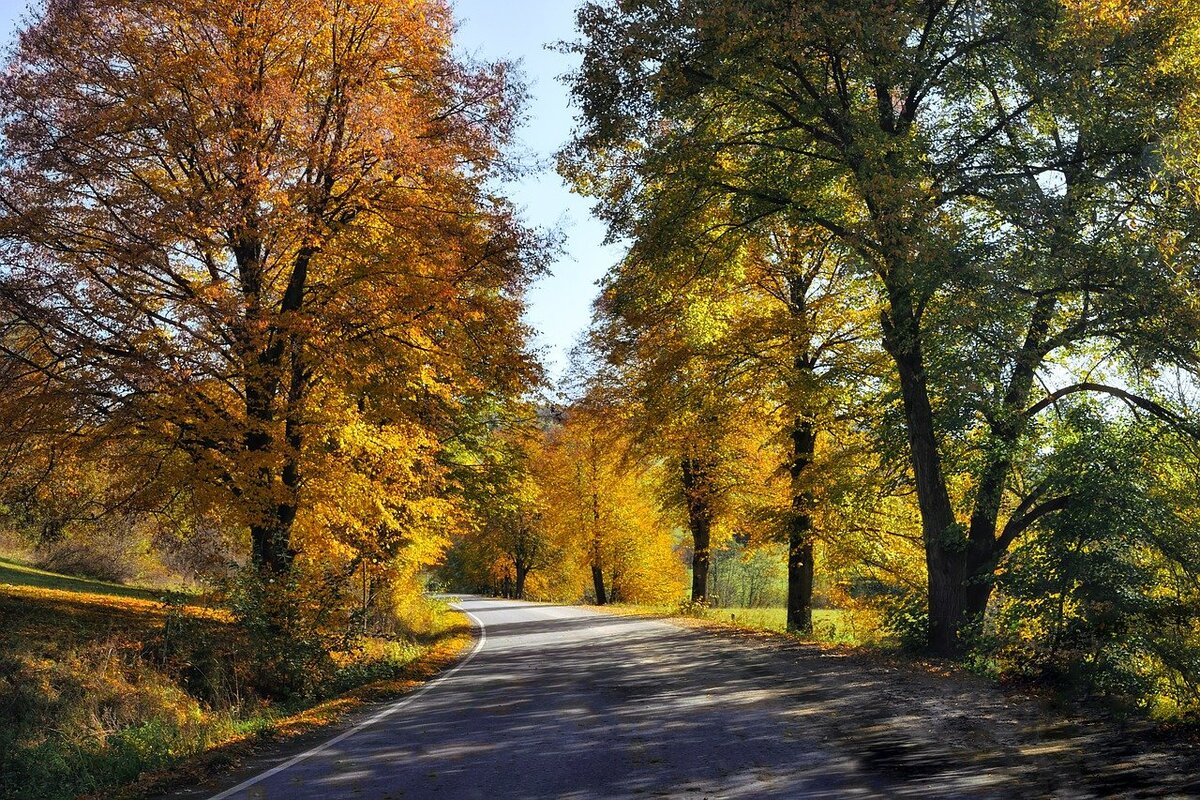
x,y
1101,598
906,618
693,608
99,557
289,647
97,717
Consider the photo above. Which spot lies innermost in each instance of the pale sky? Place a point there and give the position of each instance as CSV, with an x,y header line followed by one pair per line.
x,y
560,303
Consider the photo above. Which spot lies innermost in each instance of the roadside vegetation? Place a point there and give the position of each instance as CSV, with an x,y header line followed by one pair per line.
x,y
903,349
105,692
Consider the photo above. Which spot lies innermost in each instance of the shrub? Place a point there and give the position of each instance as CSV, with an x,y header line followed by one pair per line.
x,y
99,557
1101,598
906,618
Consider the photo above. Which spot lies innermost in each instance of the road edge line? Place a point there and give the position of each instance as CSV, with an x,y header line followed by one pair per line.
x,y
379,717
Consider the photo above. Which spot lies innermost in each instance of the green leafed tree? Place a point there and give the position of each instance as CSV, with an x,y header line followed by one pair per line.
x,y
992,166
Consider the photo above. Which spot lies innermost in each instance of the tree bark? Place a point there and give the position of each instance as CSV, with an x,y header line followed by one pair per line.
x,y
945,541
597,563
800,567
519,587
700,517
598,584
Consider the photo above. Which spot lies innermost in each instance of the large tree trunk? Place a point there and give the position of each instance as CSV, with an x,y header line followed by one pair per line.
x,y
700,517
800,585
800,566
265,354
945,540
271,535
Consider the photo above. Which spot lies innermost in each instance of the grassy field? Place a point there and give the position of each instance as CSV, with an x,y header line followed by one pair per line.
x,y
15,573
107,691
829,625
774,619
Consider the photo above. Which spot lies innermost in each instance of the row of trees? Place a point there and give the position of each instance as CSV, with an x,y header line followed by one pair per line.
x,y
937,261
910,290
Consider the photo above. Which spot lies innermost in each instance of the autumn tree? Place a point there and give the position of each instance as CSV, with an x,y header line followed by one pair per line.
x,y
504,539
256,250
990,165
762,324
600,507
652,343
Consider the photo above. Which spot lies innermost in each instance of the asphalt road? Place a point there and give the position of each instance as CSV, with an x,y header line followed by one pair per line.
x,y
562,702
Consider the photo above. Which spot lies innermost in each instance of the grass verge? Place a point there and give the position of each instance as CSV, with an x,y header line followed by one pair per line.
x,y
94,703
829,625
269,729
15,573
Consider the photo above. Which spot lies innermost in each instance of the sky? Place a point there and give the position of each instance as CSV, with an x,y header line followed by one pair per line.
x,y
519,30
560,304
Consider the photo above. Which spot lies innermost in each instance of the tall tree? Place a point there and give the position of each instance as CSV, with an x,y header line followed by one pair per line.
x,y
756,324
244,231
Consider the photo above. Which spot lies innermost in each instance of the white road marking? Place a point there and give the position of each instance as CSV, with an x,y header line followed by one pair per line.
x,y
382,715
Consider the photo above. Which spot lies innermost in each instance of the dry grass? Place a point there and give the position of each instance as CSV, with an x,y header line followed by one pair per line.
x,y
92,698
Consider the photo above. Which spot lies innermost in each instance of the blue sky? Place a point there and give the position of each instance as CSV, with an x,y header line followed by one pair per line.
x,y
560,304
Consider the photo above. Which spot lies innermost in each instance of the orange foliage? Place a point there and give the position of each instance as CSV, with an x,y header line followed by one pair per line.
x,y
256,237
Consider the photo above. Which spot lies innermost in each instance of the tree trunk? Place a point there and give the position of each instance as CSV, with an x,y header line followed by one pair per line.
x,y
519,587
801,568
597,565
598,584
700,517
945,541
265,364
985,548
268,537
800,586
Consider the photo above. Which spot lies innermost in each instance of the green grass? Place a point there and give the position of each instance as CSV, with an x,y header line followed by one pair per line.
x,y
829,624
15,573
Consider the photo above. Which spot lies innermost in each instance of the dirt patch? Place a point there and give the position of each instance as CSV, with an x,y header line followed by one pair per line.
x,y
913,722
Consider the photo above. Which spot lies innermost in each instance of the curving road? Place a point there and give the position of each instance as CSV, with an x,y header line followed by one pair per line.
x,y
562,702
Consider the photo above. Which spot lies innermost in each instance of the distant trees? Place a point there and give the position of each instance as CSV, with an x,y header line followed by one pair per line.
x,y
585,524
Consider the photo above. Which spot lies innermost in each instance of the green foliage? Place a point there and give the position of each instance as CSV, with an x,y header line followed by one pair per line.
x,y
748,577
286,629
1102,597
906,618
